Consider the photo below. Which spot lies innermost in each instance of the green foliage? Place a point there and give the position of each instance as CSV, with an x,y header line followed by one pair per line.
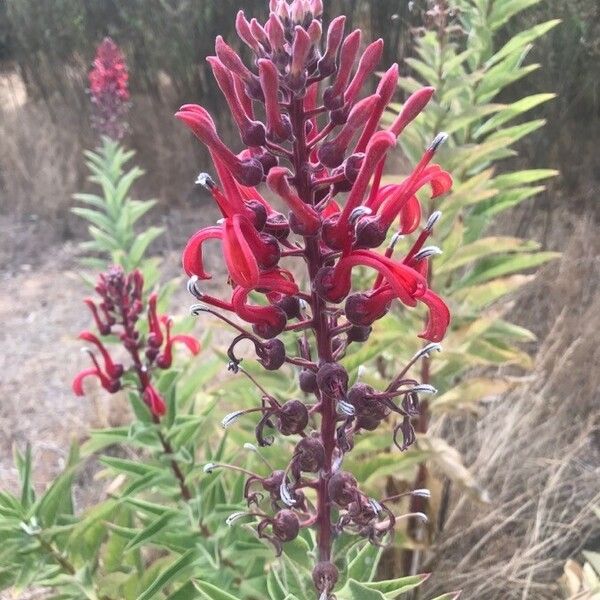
x,y
113,215
471,72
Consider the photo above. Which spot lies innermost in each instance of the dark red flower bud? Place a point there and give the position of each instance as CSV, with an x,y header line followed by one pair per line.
x,y
325,575
290,305
332,380
359,334
309,456
271,354
278,124
342,488
154,401
364,309
286,525
292,418
308,381
370,232
273,482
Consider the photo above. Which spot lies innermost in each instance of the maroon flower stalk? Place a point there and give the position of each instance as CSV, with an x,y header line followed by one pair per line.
x,y
118,312
320,141
109,91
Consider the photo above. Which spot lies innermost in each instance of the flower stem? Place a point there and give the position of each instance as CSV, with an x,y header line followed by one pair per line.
x,y
322,329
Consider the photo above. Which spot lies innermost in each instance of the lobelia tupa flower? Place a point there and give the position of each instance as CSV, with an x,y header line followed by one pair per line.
x,y
109,92
118,313
317,144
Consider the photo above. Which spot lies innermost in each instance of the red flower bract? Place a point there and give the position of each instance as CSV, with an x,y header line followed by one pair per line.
x,y
321,151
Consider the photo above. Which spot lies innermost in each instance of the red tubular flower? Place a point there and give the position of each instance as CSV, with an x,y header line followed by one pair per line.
x,y
385,90
331,153
333,96
335,34
366,67
300,48
336,231
192,254
411,109
439,317
247,172
154,401
165,359
233,62
155,336
334,283
251,132
307,220
276,34
114,371
278,128
244,31
77,385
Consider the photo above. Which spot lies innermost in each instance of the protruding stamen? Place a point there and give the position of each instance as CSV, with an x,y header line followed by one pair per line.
x,y
427,252
376,506
359,212
231,418
423,389
426,351
345,408
285,495
439,139
210,467
233,517
433,219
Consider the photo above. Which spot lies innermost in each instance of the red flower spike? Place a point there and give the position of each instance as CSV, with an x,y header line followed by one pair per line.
x,y
337,233
335,34
242,27
333,96
331,153
154,401
251,132
248,172
113,370
411,109
366,67
278,127
385,90
306,216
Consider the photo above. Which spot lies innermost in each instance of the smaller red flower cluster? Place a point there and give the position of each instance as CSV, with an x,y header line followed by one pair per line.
x,y
109,89
118,312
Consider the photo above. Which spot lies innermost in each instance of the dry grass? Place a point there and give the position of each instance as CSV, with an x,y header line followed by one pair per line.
x,y
537,452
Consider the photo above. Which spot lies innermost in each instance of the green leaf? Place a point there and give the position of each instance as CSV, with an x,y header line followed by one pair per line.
x,y
353,590
491,268
211,592
177,569
364,565
24,467
149,532
504,10
392,587
517,178
522,39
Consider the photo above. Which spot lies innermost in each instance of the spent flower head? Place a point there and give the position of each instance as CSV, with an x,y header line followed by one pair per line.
x,y
314,139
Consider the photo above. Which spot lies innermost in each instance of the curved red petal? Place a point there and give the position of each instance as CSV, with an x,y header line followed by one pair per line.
x,y
410,216
241,262
77,385
192,254
192,344
439,317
